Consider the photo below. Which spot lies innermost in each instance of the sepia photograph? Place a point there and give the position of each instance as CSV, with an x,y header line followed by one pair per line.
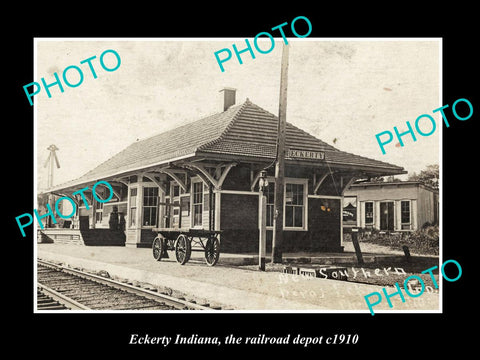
x,y
212,180
238,175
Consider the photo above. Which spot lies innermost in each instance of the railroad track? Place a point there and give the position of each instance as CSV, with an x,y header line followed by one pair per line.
x,y
60,288
47,302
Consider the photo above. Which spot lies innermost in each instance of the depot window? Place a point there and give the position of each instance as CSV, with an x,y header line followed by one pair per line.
x,y
294,205
99,206
177,190
270,195
295,198
133,207
405,214
98,212
150,206
197,203
369,213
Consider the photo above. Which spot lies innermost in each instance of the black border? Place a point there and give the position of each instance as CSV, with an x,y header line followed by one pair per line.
x,y
109,333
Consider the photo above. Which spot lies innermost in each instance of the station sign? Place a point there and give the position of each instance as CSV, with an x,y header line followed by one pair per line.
x,y
305,154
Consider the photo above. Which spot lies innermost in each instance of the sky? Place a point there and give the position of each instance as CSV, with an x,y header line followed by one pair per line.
x,y
343,91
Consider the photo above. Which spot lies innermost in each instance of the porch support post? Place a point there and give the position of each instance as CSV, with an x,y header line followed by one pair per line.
x,y
114,191
320,181
172,174
155,181
161,209
376,212
211,208
94,212
224,174
218,196
138,220
121,181
347,185
255,180
203,173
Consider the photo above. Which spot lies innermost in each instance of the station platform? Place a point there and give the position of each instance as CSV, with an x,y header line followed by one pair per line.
x,y
234,287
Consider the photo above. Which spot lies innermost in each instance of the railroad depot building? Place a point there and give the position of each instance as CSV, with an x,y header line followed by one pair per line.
x,y
206,175
390,206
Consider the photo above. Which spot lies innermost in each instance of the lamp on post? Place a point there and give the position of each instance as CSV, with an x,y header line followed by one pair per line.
x,y
262,246
263,181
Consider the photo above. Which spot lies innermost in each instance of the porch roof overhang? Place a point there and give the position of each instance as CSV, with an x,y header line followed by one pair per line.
x,y
186,163
244,133
346,166
111,176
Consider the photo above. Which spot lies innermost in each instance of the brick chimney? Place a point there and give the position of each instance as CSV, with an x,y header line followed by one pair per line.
x,y
228,97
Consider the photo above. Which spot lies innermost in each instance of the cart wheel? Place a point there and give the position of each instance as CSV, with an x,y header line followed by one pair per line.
x,y
158,247
212,251
183,249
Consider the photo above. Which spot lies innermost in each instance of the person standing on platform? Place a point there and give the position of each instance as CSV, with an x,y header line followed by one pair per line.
x,y
113,221
121,222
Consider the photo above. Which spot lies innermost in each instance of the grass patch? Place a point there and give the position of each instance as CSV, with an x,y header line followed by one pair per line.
x,y
424,241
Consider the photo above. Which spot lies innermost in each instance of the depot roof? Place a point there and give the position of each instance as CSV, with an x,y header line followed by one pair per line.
x,y
397,183
243,131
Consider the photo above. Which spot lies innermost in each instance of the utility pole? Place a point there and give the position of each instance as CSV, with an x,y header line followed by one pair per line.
x,y
262,245
277,240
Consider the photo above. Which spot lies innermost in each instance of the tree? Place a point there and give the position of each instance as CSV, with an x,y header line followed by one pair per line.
x,y
376,179
381,179
392,178
430,176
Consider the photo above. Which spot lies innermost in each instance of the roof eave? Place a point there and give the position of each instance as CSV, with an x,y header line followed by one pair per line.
x,y
378,170
123,173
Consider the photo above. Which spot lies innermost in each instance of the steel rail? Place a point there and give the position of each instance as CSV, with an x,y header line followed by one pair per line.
x,y
168,300
62,299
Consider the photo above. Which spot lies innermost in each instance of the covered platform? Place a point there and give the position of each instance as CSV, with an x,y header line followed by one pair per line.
x,y
88,237
232,287
206,175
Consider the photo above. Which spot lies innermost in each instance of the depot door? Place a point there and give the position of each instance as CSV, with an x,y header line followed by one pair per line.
x,y
84,223
387,216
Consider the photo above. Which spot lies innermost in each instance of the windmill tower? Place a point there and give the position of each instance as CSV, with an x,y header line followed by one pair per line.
x,y
52,156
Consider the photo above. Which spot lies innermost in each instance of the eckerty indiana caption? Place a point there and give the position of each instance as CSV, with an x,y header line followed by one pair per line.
x,y
261,339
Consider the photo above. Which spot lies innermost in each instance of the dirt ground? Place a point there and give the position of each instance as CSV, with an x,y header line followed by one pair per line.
x,y
371,248
236,287
367,273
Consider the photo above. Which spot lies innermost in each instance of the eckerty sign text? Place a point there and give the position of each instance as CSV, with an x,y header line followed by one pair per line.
x,y
305,154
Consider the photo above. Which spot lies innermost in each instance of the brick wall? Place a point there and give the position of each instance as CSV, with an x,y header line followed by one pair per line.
x,y
237,179
147,236
239,223
323,225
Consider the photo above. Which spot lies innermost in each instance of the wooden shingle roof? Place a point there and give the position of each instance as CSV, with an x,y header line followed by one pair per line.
x,y
253,132
244,130
169,145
